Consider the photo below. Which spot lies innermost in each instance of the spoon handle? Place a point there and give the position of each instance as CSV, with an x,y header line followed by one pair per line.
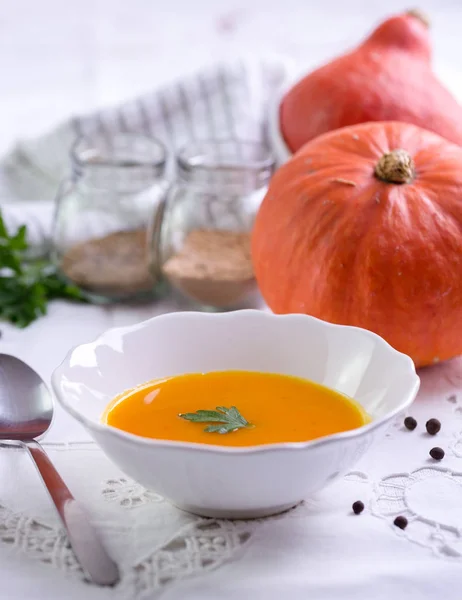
x,y
82,536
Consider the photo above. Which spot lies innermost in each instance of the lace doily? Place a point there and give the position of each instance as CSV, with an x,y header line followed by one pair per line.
x,y
127,493
431,499
198,547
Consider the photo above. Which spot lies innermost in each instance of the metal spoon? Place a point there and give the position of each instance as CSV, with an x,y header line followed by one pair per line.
x,y
26,411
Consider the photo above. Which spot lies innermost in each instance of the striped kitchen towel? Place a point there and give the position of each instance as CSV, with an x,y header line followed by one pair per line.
x,y
226,101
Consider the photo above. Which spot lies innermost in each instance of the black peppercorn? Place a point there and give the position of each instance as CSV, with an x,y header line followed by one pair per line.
x,y
358,507
437,453
410,423
433,426
400,522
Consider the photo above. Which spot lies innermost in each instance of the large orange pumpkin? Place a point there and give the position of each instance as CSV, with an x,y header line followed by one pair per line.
x,y
363,226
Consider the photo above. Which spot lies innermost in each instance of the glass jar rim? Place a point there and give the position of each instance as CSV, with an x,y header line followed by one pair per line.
x,y
189,155
97,142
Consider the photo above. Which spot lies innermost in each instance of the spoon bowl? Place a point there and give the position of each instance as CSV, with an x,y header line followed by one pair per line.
x,y
26,405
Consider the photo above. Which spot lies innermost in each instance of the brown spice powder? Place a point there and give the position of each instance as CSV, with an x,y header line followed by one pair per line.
x,y
116,264
214,267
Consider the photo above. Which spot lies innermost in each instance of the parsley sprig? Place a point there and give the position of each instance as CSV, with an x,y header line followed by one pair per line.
x,y
230,419
26,286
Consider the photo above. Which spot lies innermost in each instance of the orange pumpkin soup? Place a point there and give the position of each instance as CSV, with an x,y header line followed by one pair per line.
x,y
269,408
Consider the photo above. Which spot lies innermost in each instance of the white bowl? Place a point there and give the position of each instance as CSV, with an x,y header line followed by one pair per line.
x,y
239,482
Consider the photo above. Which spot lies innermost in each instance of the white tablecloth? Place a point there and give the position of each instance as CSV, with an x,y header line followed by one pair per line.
x,y
319,548
61,58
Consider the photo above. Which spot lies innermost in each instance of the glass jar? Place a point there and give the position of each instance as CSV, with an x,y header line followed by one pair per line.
x,y
201,241
103,214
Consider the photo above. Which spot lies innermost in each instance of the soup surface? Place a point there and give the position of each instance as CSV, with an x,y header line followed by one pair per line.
x,y
272,408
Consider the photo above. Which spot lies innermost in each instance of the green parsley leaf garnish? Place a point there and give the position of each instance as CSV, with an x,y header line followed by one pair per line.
x,y
230,419
26,286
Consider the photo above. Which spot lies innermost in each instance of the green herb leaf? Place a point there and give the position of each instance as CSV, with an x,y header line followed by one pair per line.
x,y
27,286
230,419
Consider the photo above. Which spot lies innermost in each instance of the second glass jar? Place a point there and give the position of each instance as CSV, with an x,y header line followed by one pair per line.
x,y
201,235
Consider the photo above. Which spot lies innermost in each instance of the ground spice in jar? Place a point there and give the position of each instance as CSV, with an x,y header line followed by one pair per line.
x,y
213,267
114,265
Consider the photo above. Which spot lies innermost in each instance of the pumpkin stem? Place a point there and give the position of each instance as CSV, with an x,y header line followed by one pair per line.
x,y
418,14
396,166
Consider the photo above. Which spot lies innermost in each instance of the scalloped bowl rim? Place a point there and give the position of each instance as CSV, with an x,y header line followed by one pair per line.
x,y
101,427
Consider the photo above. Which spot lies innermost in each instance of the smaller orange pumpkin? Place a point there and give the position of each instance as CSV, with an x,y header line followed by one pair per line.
x,y
363,226
388,77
